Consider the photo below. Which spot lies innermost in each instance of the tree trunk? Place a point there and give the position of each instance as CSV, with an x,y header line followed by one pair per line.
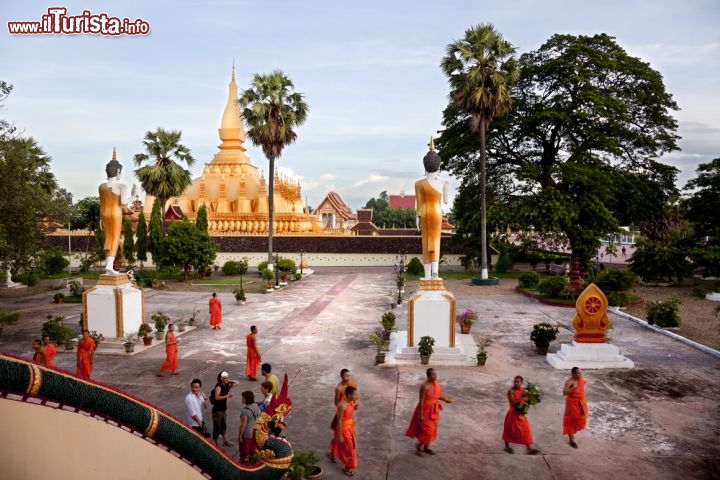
x,y
271,208
483,207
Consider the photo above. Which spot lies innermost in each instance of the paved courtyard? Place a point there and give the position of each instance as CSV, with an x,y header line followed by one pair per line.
x,y
659,420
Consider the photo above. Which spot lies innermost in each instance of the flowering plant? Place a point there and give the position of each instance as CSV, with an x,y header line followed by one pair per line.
x,y
468,317
534,394
543,333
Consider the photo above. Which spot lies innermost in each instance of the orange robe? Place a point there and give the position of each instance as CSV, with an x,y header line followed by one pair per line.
x,y
111,217
517,427
40,358
171,351
215,311
346,452
50,352
426,431
86,346
339,395
253,357
429,212
576,410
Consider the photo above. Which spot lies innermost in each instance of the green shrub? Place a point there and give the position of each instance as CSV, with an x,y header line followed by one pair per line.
x,y
555,287
617,299
664,313
286,265
8,318
415,267
52,262
28,278
610,280
75,287
504,264
529,280
262,266
55,328
231,267
144,278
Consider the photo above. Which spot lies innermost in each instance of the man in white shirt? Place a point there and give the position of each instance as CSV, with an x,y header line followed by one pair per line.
x,y
195,402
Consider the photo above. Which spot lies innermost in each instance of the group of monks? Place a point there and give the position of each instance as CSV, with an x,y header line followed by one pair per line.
x,y
45,352
424,421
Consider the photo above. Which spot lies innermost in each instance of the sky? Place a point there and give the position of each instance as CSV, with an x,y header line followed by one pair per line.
x,y
369,71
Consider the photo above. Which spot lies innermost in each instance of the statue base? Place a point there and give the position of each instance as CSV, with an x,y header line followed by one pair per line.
x,y
588,356
431,312
114,307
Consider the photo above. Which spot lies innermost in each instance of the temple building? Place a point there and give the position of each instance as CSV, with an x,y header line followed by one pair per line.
x,y
234,191
334,213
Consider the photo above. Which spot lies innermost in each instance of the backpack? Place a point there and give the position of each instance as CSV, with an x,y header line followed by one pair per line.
x,y
212,396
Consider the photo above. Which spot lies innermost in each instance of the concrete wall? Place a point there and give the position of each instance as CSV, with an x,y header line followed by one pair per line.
x,y
43,442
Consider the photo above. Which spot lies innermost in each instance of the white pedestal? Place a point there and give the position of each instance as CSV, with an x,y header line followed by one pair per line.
x,y
588,356
431,312
114,307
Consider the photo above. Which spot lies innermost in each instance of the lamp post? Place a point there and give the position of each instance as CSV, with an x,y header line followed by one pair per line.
x,y
301,254
277,270
400,280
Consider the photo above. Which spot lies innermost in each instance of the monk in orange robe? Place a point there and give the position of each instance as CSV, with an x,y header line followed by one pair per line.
x,y
85,352
171,350
50,350
424,422
215,312
344,443
344,383
517,427
253,354
39,357
576,410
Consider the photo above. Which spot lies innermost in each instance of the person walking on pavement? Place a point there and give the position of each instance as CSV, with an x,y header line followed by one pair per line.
x,y
576,409
50,350
171,352
253,354
215,311
424,422
516,428
344,443
219,397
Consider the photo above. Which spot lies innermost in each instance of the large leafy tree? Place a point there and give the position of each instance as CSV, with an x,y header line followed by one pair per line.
x,y
581,144
26,186
163,176
86,213
481,70
141,244
187,247
703,204
272,110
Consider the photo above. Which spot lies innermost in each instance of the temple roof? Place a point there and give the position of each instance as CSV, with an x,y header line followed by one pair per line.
x,y
337,204
401,201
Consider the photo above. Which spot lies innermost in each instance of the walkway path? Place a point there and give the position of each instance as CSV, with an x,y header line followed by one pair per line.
x,y
659,420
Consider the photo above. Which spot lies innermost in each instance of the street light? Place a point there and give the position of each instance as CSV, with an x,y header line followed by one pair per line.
x,y
301,254
277,270
400,280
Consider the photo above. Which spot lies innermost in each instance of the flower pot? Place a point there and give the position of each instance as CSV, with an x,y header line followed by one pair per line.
x,y
181,328
481,359
464,328
541,349
160,335
379,357
147,341
192,322
424,359
314,472
129,347
69,345
386,335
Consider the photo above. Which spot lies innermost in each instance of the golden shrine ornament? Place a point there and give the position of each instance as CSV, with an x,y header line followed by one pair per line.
x,y
591,320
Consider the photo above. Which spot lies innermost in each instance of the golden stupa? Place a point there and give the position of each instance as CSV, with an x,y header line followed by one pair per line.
x,y
234,191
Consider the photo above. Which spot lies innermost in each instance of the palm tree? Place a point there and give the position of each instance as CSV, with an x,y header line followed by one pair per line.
x,y
272,110
481,70
162,177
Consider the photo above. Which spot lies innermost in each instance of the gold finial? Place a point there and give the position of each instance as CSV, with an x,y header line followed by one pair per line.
x,y
114,157
432,144
233,76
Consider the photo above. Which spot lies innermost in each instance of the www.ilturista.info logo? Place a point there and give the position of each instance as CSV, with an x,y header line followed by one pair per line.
x,y
57,22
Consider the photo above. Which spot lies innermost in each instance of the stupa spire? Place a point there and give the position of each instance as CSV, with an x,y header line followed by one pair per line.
x,y
231,129
114,157
432,143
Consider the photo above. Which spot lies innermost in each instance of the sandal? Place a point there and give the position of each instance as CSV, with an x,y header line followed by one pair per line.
x,y
428,451
534,451
330,457
508,450
418,450
573,444
348,472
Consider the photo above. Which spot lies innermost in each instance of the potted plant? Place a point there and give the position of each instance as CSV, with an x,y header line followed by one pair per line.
x,y
129,341
58,332
240,295
181,322
286,267
377,341
268,276
59,297
8,318
97,337
144,333
388,323
425,348
483,344
466,319
161,320
193,321
304,466
542,334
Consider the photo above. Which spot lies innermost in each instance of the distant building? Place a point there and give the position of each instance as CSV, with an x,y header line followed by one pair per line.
x,y
401,201
334,213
